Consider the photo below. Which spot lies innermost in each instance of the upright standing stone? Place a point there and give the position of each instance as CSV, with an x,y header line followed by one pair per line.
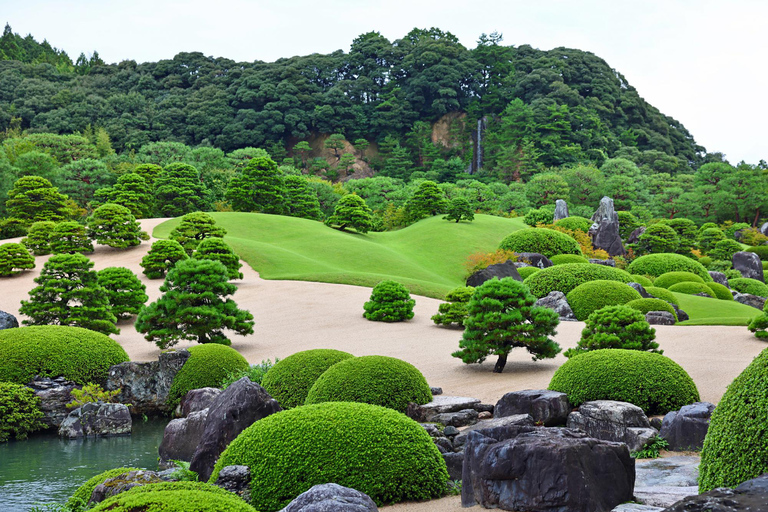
x,y
605,229
749,264
561,210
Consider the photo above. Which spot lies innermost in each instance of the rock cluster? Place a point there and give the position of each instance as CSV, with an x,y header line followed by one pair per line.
x,y
97,419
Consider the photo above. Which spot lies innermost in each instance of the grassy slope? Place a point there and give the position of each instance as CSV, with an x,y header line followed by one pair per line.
x,y
705,311
428,256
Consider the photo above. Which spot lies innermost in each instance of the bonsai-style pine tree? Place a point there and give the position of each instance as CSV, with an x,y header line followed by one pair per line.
x,y
131,191
161,258
194,307
217,249
68,293
301,199
115,226
258,188
38,239
459,209
70,237
150,173
14,258
502,316
178,190
616,327
194,228
454,311
428,200
125,292
33,198
390,302
351,212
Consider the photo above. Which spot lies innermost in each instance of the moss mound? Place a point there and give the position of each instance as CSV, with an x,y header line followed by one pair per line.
x,y
646,305
377,380
561,259
83,493
207,366
574,223
652,382
641,280
290,379
177,497
692,288
373,449
543,241
589,297
78,354
527,271
747,285
670,278
721,291
760,250
663,294
566,277
658,264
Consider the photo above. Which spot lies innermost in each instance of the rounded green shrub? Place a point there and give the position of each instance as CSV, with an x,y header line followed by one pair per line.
x,y
670,278
646,305
575,223
663,294
708,225
721,291
373,449
706,261
78,354
175,496
589,297
652,382
725,249
454,311
208,365
561,259
83,493
527,271
161,258
689,288
20,412
540,240
736,447
658,264
289,380
748,285
390,302
658,238
616,327
566,277
759,326
14,258
732,274
731,230
376,380
708,238
641,280
760,250
38,239
544,215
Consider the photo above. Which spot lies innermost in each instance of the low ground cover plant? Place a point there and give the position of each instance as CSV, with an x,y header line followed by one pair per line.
x,y
176,496
83,493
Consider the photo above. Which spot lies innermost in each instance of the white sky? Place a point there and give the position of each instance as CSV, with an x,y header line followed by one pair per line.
x,y
702,62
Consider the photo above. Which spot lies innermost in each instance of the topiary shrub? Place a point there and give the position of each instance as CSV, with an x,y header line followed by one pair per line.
x,y
736,447
217,249
760,250
543,241
663,294
646,305
730,231
38,239
759,326
207,366
20,412
543,215
708,238
78,354
589,297
652,382
706,261
525,272
125,291
176,496
566,277
658,238
641,280
561,259
721,292
454,311
194,228
748,285
692,288
575,223
161,258
658,264
373,449
725,249
732,274
390,302
616,327
670,278
377,380
14,258
70,238
83,493
290,379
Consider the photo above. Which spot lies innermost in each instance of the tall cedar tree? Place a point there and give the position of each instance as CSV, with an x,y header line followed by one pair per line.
x,y
178,190
33,198
193,307
38,239
161,258
115,226
131,191
68,293
194,228
351,212
70,237
217,249
301,199
502,316
14,258
126,293
426,201
258,188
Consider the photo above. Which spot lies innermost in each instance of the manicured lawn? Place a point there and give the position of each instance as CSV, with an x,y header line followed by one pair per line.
x,y
428,257
704,311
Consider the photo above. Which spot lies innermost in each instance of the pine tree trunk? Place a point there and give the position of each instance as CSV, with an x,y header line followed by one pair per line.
x,y
500,363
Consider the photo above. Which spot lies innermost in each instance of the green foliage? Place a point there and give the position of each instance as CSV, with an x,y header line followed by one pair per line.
x,y
300,198
255,373
652,449
543,215
70,238
178,190
561,259
114,225
91,393
686,230
641,280
79,355
194,228
83,493
14,258
38,239
126,293
543,241
293,450
11,227
176,496
627,224
663,294
617,327
568,276
68,293
33,198
459,209
760,250
721,292
652,382
527,271
290,379
502,316
658,238
690,288
732,274
390,302
748,285
131,191
591,296
730,230
647,305
426,201
545,188
657,264
454,311
575,223
217,249
20,412
81,178
182,473
725,249
207,366
162,256
708,238
194,307
669,278
258,188
351,211
759,326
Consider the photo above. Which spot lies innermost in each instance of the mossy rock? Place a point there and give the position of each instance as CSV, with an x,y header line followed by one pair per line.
x,y
561,259
663,294
658,264
540,240
689,288
670,278
589,297
748,285
647,305
176,497
568,276
83,493
208,365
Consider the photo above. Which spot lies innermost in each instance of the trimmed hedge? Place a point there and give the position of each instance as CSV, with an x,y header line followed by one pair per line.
x,y
390,302
725,249
175,496
83,493
373,449
760,250
566,277
692,288
561,259
670,278
78,354
663,294
616,327
208,365
647,305
20,412
527,271
721,292
289,380
641,280
748,285
736,447
652,382
575,223
589,297
376,380
541,240
658,264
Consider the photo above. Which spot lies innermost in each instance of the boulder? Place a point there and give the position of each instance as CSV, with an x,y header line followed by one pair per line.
x,y
235,479
545,469
146,385
499,271
636,507
750,300
634,237
605,229
605,263
682,316
439,405
460,418
436,391
561,210
535,259
197,400
455,464
749,264
719,278
548,408
751,495
666,480
331,498
764,228
54,396
557,302
97,419
121,483
660,318
181,437
685,429
491,425
235,409
641,290
610,420
7,321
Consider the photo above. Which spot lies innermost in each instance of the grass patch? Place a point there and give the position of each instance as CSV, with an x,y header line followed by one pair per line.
x,y
704,311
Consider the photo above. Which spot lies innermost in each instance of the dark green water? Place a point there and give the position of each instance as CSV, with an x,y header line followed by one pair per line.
x,y
46,469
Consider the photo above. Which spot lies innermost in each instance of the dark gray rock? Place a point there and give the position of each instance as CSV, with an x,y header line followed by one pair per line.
x,y
561,210
557,302
719,278
660,318
636,507
431,429
121,483
764,228
237,408
181,437
751,495
656,422
499,271
436,391
640,289
545,469
235,479
7,321
331,498
548,408
439,405
664,481
493,424
605,263
749,264
146,385
605,229
535,259
450,431
97,419
685,429
54,396
197,400
748,299
610,420
682,316
456,419
455,462
634,237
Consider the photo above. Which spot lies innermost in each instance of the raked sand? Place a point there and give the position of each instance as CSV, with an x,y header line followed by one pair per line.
x,y
296,315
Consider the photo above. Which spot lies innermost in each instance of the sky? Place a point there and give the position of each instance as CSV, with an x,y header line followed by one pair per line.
x,y
701,62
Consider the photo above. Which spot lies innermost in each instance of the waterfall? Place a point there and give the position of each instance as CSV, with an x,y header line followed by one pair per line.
x,y
479,149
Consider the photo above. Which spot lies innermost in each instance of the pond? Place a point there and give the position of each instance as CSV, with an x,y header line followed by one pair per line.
x,y
46,469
